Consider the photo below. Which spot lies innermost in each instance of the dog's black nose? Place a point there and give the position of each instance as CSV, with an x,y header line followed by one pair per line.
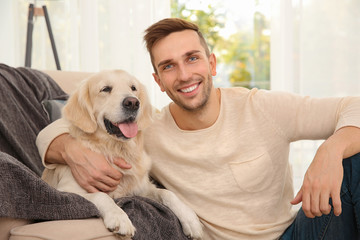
x,y
131,103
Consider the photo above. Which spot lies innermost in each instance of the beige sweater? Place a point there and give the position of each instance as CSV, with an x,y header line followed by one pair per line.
x,y
235,174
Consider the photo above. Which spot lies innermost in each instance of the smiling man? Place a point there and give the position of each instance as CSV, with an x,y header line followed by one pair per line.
x,y
225,151
184,71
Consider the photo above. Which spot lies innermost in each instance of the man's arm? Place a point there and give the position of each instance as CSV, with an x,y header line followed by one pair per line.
x,y
324,176
299,117
91,170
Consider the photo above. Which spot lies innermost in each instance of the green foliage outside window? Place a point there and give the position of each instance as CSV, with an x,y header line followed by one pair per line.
x,y
244,56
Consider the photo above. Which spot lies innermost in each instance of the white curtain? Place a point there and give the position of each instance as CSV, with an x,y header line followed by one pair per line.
x,y
315,51
315,46
90,35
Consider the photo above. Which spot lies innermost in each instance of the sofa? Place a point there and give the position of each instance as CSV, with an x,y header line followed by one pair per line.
x,y
84,228
20,229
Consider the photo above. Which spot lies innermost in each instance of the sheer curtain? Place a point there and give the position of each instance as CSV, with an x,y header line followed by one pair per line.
x,y
315,51
90,35
315,46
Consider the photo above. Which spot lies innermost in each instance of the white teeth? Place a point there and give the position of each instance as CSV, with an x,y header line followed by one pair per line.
x,y
189,89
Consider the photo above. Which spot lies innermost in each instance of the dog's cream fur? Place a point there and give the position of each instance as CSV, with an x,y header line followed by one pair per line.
x,y
100,97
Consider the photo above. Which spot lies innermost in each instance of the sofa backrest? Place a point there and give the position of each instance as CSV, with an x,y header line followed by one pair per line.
x,y
67,80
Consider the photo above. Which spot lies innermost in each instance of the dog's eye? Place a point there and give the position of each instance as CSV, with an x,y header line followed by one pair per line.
x,y
106,89
133,88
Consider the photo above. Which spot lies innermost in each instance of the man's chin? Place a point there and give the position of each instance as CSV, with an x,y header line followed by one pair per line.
x,y
192,106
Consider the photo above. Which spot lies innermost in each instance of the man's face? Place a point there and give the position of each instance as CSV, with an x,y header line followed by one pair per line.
x,y
184,71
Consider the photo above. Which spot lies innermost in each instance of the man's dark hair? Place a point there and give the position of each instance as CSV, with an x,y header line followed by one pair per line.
x,y
164,27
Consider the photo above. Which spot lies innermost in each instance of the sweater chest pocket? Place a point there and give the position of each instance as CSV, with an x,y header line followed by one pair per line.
x,y
254,175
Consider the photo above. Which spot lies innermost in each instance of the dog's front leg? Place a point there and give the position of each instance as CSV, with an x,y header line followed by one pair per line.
x,y
189,221
115,219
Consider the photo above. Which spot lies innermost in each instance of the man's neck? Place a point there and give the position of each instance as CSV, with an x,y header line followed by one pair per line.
x,y
196,120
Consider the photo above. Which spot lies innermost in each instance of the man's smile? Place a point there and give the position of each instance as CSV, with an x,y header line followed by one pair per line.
x,y
190,89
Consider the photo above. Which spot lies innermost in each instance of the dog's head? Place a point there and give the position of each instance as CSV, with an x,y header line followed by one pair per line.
x,y
110,101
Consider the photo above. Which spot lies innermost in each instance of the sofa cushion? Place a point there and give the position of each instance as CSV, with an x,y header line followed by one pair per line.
x,y
6,224
82,229
53,108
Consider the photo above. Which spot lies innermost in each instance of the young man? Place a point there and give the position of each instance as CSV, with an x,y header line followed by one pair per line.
x,y
225,152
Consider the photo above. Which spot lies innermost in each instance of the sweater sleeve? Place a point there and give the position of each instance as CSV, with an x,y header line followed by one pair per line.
x,y
349,114
303,117
47,135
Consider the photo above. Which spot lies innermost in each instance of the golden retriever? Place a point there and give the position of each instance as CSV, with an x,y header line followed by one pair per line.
x,y
108,113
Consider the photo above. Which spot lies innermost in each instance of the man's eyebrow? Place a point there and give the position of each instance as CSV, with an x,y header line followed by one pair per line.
x,y
185,55
191,52
164,62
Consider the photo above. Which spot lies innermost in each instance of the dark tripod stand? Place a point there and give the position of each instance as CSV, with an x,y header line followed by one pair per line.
x,y
38,12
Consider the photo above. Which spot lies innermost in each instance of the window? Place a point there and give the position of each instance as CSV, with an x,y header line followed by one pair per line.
x,y
314,44
89,36
238,32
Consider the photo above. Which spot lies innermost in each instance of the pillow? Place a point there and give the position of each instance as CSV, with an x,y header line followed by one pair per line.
x,y
53,108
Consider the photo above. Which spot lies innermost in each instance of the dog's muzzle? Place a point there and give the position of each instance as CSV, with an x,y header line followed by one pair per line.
x,y
128,128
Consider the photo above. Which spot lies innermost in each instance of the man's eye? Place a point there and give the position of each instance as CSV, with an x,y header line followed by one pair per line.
x,y
192,58
106,89
168,66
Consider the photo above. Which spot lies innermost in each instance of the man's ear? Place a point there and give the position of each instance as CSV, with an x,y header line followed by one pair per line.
x,y
212,62
158,81
78,110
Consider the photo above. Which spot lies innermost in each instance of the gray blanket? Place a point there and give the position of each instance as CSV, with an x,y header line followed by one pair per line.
x,y
22,193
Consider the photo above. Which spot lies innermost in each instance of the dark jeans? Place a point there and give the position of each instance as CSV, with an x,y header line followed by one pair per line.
x,y
329,227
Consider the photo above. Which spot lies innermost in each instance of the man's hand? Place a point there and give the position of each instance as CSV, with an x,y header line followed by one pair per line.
x,y
322,181
324,176
91,170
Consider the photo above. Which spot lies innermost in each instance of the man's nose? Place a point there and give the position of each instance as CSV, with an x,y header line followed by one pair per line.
x,y
183,73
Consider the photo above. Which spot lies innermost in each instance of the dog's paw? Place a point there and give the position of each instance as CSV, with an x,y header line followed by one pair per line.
x,y
193,229
119,223
191,225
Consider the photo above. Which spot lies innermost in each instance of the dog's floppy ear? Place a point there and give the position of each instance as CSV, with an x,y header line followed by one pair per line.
x,y
147,109
78,110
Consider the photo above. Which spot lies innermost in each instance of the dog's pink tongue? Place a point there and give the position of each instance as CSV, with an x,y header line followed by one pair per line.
x,y
128,129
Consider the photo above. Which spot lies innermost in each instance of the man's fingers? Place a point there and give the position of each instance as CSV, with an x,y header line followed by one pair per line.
x,y
93,180
90,189
298,198
315,204
109,175
336,201
106,180
121,163
92,170
107,184
104,187
306,204
100,170
325,207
